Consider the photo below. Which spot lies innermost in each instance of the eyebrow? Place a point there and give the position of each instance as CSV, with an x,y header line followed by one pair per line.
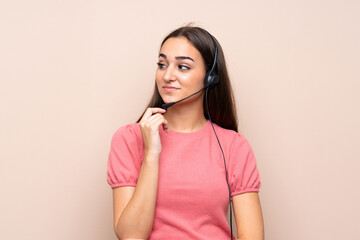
x,y
177,57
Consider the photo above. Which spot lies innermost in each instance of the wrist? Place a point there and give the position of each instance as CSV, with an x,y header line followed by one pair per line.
x,y
150,155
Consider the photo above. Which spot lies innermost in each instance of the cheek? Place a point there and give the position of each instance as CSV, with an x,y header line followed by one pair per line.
x,y
195,80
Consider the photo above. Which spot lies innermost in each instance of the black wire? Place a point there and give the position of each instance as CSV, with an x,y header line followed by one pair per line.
x,y
167,105
226,173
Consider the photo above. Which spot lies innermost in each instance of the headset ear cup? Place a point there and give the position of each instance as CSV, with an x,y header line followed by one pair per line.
x,y
215,79
211,80
207,80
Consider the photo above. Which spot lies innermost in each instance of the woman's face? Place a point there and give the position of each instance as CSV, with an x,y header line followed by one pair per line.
x,y
181,70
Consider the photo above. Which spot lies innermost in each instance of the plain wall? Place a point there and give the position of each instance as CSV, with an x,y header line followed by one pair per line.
x,y
73,72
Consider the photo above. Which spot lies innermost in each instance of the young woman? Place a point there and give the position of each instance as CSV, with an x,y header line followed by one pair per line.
x,y
175,170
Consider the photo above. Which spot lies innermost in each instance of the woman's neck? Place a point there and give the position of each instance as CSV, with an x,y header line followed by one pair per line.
x,y
187,117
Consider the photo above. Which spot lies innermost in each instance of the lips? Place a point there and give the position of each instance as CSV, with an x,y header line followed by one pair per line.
x,y
170,89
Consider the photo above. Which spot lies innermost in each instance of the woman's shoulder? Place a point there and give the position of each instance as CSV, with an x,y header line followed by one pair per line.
x,y
229,135
128,132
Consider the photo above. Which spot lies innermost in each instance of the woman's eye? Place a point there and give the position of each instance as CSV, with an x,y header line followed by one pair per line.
x,y
160,65
183,67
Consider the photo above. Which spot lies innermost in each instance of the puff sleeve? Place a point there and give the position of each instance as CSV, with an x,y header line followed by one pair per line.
x,y
125,157
243,173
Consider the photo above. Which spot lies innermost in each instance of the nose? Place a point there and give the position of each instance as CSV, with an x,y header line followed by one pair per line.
x,y
170,74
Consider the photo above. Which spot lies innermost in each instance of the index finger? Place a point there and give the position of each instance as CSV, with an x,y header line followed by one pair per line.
x,y
150,111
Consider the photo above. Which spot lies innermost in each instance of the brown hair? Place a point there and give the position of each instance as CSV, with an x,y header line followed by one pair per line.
x,y
220,97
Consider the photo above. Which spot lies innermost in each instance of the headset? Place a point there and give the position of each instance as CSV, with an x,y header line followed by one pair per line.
x,y
210,80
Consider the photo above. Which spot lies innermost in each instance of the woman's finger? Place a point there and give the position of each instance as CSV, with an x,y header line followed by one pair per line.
x,y
156,120
150,111
152,118
160,120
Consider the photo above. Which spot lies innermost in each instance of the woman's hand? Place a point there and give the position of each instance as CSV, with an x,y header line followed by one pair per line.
x,y
149,125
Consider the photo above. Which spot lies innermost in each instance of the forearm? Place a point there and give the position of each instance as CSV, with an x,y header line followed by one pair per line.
x,y
259,235
249,238
256,235
137,219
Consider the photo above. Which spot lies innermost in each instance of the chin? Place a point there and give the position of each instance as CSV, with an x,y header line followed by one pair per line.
x,y
167,99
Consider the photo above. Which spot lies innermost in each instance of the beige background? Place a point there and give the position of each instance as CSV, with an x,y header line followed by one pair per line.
x,y
72,72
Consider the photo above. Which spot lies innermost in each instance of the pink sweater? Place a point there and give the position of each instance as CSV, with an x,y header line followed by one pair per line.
x,y
192,199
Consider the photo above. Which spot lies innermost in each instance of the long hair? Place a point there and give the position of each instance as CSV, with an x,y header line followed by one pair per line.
x,y
220,97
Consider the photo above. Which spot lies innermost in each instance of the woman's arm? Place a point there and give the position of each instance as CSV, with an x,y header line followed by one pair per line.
x,y
134,207
248,216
